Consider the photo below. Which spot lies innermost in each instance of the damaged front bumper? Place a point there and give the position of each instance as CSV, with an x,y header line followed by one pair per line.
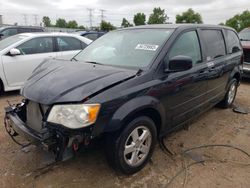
x,y
53,138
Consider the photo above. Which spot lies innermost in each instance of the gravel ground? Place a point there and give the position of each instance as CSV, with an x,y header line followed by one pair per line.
x,y
223,167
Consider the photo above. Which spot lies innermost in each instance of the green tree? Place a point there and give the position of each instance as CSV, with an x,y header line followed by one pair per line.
x,y
72,24
125,23
81,27
46,21
139,19
189,17
61,23
239,21
106,26
158,16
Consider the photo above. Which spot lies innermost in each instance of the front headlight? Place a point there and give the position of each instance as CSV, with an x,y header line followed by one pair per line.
x,y
74,116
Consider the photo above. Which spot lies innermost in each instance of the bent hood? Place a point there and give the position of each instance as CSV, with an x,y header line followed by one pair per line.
x,y
58,81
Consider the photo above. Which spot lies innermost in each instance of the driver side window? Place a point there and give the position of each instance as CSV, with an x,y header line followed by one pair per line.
x,y
36,46
187,45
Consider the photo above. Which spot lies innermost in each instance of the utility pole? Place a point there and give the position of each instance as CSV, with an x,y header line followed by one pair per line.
x,y
25,18
102,14
35,18
1,20
90,17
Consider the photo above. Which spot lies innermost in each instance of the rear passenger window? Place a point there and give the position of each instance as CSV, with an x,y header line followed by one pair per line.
x,y
214,42
68,43
233,42
187,45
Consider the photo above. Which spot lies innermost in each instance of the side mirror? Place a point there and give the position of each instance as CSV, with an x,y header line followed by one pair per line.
x,y
179,63
14,52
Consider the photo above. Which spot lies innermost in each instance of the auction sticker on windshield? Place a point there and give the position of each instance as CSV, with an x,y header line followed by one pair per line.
x,y
150,47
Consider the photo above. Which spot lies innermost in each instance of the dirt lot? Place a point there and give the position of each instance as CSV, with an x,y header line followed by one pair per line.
x,y
225,167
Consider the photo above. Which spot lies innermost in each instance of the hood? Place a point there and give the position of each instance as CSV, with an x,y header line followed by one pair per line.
x,y
245,44
58,81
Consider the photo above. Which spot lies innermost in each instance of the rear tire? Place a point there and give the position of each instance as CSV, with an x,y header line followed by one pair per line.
x,y
128,151
230,95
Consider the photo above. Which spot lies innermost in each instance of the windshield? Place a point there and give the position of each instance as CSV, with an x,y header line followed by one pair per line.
x,y
245,35
128,48
10,40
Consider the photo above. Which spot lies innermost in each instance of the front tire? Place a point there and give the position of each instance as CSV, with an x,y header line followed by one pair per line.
x,y
230,95
130,150
1,87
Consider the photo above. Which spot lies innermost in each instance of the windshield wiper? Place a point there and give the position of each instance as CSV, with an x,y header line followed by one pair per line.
x,y
245,39
139,72
74,59
92,62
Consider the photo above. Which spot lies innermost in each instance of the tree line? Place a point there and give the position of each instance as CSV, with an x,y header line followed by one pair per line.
x,y
158,16
62,23
239,21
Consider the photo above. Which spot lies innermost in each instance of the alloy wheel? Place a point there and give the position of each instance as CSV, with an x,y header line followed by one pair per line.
x,y
137,146
231,93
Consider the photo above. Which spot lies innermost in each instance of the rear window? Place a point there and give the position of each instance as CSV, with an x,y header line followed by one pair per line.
x,y
232,42
214,43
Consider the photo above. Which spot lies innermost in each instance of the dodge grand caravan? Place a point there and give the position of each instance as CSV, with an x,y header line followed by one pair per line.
x,y
129,87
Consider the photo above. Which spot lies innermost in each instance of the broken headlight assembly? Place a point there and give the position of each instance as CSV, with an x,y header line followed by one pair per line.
x,y
74,116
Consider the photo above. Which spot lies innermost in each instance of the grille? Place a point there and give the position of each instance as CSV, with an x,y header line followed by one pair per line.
x,y
247,55
34,115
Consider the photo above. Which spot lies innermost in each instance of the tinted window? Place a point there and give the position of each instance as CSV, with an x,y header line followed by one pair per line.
x,y
232,41
187,45
214,42
9,32
36,30
37,45
68,43
92,36
23,30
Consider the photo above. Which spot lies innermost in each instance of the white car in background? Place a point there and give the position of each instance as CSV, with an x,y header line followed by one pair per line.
x,y
21,54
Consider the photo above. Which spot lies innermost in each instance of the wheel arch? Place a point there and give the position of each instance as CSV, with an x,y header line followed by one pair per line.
x,y
141,106
237,76
2,89
234,74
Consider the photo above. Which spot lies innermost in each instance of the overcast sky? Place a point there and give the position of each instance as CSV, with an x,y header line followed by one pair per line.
x,y
212,11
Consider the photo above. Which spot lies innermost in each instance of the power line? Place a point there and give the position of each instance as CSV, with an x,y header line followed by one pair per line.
x,y
102,14
1,19
90,16
35,18
25,18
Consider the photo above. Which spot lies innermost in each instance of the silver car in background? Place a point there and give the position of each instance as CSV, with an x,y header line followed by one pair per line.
x,y
21,54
